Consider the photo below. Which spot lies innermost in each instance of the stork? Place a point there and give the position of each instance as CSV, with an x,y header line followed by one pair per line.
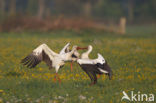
x,y
52,59
95,66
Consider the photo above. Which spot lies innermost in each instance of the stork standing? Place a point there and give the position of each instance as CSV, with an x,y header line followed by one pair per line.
x,y
52,59
94,66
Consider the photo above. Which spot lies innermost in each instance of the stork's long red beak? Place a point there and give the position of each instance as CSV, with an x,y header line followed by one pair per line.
x,y
78,48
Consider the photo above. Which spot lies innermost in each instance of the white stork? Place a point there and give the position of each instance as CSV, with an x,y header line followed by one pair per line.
x,y
52,59
94,66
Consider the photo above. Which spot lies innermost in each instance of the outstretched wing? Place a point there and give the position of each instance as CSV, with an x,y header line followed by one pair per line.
x,y
65,49
38,55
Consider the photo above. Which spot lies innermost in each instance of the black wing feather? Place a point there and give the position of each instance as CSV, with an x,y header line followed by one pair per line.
x,y
27,61
32,60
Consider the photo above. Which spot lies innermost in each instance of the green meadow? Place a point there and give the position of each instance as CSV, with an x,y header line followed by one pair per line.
x,y
132,58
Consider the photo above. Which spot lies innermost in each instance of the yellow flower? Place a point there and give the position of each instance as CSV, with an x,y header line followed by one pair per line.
x,y
1,101
1,91
138,70
40,69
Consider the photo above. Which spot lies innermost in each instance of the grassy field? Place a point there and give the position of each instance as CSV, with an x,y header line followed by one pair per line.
x,y
132,58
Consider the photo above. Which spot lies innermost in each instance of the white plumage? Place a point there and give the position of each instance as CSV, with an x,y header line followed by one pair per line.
x,y
65,49
86,60
100,60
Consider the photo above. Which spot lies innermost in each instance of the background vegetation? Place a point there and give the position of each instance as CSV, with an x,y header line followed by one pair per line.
x,y
131,9
132,58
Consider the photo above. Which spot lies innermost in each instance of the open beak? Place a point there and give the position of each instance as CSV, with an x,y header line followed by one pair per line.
x,y
78,48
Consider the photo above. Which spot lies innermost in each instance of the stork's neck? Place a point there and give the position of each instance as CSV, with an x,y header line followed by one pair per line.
x,y
87,52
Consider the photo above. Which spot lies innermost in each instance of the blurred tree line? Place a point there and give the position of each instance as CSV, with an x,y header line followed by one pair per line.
x,y
104,9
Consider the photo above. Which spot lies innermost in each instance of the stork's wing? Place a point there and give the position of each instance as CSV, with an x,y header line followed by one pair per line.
x,y
38,55
32,60
46,49
65,49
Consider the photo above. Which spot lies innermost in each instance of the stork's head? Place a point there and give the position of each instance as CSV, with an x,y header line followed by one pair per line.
x,y
102,63
75,55
100,59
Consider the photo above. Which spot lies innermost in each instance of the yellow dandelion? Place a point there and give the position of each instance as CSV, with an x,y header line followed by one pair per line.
x,y
1,100
1,91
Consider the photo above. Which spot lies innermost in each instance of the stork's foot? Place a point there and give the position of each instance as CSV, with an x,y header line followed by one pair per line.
x,y
92,83
57,78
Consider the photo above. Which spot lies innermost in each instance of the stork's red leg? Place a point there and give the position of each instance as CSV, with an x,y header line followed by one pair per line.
x,y
92,83
71,66
55,78
58,78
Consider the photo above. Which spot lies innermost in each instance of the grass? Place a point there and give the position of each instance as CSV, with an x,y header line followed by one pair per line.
x,y
132,58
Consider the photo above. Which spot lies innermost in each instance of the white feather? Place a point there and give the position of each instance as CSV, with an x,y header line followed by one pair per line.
x,y
100,60
64,48
86,61
46,49
86,54
102,70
